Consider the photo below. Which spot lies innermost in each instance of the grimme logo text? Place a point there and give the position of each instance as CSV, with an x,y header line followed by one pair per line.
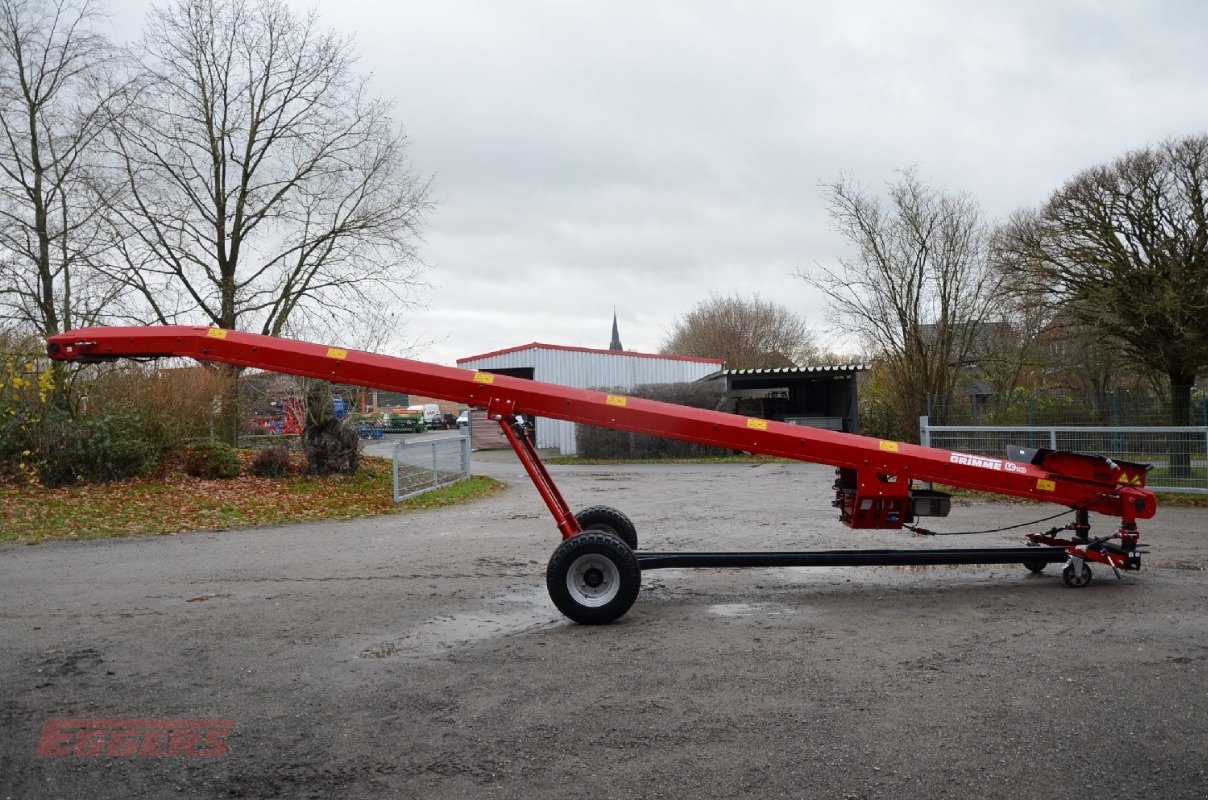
x,y
975,461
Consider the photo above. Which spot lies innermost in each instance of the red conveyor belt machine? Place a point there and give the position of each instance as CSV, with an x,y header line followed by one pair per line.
x,y
595,574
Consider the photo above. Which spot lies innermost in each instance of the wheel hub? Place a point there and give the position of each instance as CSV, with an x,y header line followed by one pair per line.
x,y
593,577
593,580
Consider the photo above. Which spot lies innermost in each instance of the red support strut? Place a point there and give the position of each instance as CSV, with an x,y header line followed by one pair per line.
x,y
568,526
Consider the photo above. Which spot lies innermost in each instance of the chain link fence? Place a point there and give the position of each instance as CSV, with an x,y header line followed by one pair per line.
x,y
1179,456
427,464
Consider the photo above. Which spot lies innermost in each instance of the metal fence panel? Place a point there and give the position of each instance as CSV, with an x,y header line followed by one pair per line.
x,y
1179,455
1021,408
426,464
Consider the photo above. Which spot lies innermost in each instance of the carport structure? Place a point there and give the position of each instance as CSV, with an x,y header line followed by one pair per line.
x,y
820,397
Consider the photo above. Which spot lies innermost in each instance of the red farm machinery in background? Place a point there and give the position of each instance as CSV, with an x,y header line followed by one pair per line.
x,y
594,575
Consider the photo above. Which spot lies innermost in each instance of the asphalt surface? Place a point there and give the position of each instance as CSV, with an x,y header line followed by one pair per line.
x,y
419,656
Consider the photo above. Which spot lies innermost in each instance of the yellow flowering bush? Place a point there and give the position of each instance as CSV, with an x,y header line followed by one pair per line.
x,y
24,393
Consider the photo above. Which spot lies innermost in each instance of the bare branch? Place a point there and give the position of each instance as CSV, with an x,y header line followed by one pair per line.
x,y
261,181
744,332
919,294
58,82
1122,249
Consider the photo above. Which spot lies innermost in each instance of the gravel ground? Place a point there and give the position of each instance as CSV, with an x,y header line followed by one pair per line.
x,y
419,656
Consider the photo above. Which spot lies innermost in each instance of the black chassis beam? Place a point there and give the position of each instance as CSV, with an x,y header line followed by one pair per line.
x,y
850,558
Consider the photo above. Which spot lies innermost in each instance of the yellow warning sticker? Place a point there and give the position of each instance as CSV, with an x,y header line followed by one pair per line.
x,y
216,333
1046,486
616,400
484,377
889,447
757,424
337,352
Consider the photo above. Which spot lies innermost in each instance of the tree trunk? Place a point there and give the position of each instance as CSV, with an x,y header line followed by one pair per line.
x,y
227,420
331,447
1180,416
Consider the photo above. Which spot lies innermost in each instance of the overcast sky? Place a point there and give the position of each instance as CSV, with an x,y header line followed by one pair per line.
x,y
645,155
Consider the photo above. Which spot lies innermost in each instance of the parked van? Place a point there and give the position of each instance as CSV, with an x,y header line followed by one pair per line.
x,y
431,412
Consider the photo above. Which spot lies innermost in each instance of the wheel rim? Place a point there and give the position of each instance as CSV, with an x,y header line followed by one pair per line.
x,y
593,580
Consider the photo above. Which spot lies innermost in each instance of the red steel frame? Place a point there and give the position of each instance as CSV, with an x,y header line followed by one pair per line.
x,y
875,474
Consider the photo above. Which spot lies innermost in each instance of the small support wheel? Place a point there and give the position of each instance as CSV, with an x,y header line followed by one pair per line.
x,y
609,520
1035,566
593,578
1076,579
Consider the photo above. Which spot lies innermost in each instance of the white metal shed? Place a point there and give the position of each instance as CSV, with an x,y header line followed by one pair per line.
x,y
587,368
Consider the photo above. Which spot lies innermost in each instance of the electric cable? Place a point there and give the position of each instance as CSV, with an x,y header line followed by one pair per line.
x,y
925,532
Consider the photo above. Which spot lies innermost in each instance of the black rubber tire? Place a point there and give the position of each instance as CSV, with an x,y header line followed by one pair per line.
x,y
609,520
1035,566
1076,581
581,560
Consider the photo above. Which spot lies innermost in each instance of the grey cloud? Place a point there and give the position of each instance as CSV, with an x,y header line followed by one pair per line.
x,y
645,155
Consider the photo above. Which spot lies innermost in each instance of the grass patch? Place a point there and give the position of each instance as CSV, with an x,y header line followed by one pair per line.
x,y
172,502
1160,474
474,487
1171,500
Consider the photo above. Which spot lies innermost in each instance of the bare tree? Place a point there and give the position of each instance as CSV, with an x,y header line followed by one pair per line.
x,y
266,187
920,293
56,91
745,332
1079,361
1123,248
1009,351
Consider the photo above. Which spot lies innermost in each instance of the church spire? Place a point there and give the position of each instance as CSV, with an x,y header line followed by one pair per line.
x,y
616,335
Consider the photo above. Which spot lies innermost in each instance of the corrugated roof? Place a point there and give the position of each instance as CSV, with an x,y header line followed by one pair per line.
x,y
797,370
541,346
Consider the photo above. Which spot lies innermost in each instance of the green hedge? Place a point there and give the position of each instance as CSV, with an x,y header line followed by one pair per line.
x,y
95,449
593,442
212,460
